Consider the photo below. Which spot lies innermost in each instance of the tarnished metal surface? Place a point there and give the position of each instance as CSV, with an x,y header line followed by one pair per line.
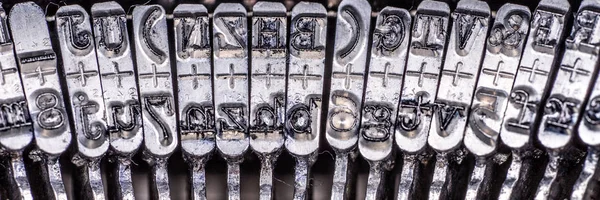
x,y
15,125
306,74
389,49
503,53
155,81
564,107
471,21
474,109
38,69
267,96
194,82
347,87
80,69
427,48
531,80
120,92
231,91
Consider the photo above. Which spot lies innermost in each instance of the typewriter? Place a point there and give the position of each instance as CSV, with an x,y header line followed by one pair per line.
x,y
323,99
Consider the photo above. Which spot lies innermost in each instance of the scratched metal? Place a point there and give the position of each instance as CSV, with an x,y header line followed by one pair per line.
x,y
267,96
37,64
531,81
194,79
563,109
230,62
425,58
587,177
429,35
590,125
462,63
80,69
532,77
503,53
504,47
16,180
308,34
382,95
15,122
120,91
347,85
156,91
459,75
570,89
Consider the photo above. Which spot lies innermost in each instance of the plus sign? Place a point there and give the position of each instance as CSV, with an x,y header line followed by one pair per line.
x,y
3,73
535,70
574,70
117,75
457,74
268,75
82,74
386,75
418,105
39,73
305,77
422,74
155,75
418,108
232,76
497,73
348,76
194,76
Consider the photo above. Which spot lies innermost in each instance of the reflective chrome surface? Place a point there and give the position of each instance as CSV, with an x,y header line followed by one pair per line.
x,y
38,68
478,110
306,73
155,81
389,49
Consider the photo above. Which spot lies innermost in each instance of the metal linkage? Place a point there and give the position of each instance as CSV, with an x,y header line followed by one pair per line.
x,y
308,34
38,69
382,94
452,105
194,82
15,124
80,69
581,53
347,87
231,91
267,96
503,53
120,92
425,58
156,91
521,117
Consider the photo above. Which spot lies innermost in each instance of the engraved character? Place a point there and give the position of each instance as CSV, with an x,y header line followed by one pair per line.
x,y
389,34
379,123
491,100
343,116
428,35
410,122
521,124
306,34
198,120
50,116
14,115
163,104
